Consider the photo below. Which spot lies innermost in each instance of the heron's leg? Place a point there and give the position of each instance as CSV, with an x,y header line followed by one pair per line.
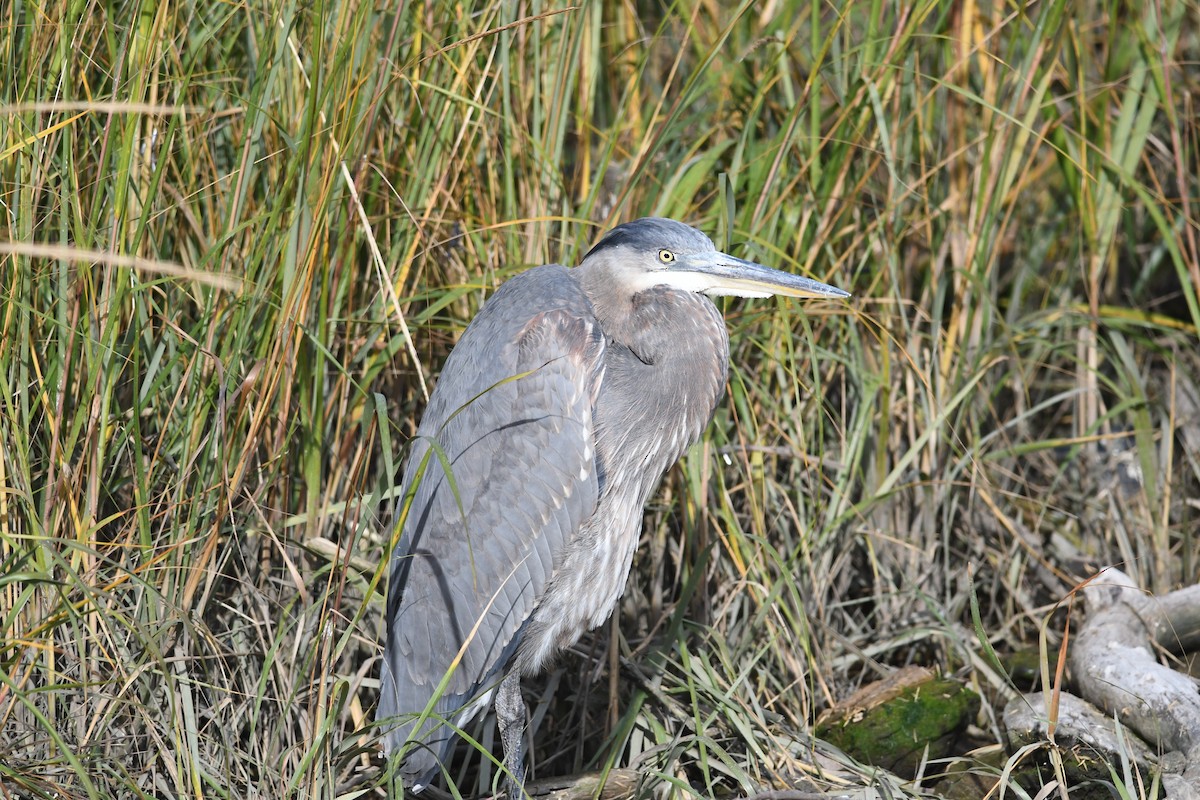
x,y
510,717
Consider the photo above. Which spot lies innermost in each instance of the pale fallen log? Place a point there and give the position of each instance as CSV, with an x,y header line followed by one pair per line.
x,y
1078,724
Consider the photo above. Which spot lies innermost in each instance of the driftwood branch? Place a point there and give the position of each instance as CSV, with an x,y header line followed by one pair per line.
x,y
1115,662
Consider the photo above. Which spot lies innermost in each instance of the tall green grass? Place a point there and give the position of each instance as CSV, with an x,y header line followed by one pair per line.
x,y
237,241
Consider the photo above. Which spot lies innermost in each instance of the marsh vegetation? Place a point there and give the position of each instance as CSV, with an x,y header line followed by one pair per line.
x,y
238,240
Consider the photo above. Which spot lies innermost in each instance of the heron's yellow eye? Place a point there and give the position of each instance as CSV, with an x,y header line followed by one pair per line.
x,y
666,256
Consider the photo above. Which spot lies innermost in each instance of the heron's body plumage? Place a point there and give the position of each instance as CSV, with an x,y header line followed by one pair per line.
x,y
565,401
554,434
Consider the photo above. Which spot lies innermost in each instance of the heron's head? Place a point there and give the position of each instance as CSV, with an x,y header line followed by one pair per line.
x,y
654,251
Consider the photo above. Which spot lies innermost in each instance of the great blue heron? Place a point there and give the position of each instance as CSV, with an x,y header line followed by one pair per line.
x,y
566,400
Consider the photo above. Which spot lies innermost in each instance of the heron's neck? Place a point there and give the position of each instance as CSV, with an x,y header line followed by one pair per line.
x,y
664,374
657,325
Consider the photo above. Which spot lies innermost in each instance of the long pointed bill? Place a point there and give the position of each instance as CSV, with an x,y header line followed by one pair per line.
x,y
718,274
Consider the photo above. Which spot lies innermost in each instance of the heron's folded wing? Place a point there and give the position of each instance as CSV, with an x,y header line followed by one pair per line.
x,y
502,475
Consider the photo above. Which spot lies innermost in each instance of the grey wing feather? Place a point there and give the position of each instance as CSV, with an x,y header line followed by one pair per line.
x,y
512,417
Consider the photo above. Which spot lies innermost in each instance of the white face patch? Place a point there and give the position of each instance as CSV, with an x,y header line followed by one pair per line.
x,y
698,282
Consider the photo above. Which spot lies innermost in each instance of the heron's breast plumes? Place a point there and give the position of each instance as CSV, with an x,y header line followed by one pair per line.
x,y
654,404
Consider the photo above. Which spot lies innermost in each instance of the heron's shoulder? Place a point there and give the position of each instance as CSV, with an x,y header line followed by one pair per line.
x,y
549,282
537,291
541,308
